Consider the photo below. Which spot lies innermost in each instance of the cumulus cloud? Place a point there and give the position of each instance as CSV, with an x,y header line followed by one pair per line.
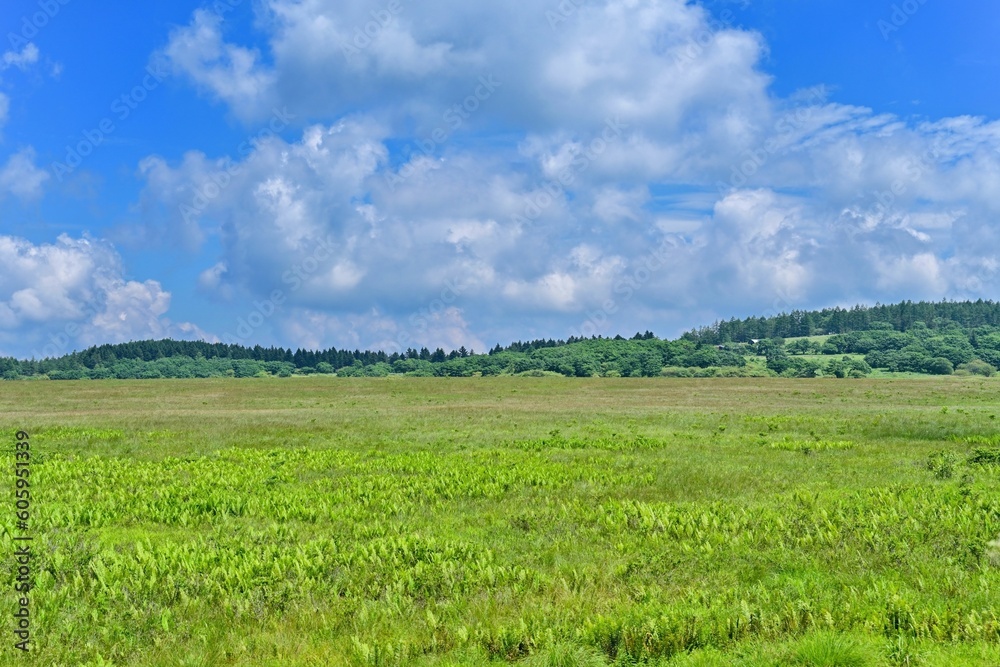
x,y
921,274
227,72
446,328
662,60
318,219
72,293
628,166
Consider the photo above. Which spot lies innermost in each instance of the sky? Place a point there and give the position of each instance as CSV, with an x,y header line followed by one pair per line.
x,y
385,174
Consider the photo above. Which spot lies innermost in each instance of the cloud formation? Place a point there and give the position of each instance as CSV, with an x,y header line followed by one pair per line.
x,y
229,73
417,177
55,297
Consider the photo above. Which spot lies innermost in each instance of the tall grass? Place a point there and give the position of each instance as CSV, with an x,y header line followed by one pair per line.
x,y
533,521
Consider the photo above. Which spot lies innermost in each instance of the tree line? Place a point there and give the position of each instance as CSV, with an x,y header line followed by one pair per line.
x,y
953,337
901,316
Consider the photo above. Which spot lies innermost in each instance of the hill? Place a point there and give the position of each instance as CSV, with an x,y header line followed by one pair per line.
x,y
901,317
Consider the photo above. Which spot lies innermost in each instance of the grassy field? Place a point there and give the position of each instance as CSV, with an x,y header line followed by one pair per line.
x,y
534,521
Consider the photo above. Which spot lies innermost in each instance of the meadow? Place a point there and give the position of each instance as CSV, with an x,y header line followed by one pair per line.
x,y
494,521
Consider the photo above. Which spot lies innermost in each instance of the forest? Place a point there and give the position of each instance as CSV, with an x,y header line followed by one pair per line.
x,y
925,338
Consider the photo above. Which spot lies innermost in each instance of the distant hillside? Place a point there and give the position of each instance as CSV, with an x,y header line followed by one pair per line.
x,y
930,338
902,316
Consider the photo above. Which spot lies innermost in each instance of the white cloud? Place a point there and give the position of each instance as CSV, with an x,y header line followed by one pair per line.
x,y
629,58
613,205
445,327
921,275
20,177
227,72
73,293
212,280
757,202
292,220
27,57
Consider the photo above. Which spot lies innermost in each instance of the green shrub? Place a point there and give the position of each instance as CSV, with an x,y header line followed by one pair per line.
x,y
942,464
978,367
985,457
939,366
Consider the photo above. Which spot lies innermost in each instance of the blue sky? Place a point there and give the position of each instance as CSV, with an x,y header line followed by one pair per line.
x,y
266,172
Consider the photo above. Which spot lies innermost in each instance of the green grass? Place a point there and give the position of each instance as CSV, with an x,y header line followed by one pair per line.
x,y
534,521
826,358
812,339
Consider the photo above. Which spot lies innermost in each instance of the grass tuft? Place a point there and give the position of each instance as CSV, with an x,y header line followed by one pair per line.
x,y
830,650
566,655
